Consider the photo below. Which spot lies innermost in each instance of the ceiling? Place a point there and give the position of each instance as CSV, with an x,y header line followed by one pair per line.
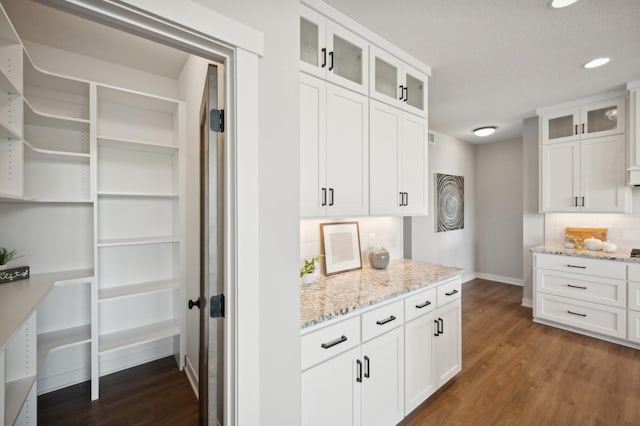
x,y
494,62
45,25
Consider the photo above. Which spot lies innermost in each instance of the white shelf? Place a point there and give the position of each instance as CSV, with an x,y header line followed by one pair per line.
x,y
106,194
136,99
137,289
6,85
136,241
48,342
37,77
9,132
16,393
38,118
10,198
138,145
139,335
56,154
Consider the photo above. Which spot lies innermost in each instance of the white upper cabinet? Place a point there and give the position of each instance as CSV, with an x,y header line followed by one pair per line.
x,y
396,83
601,118
332,52
634,132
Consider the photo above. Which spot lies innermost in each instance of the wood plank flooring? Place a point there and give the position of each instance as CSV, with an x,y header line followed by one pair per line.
x,y
156,393
514,372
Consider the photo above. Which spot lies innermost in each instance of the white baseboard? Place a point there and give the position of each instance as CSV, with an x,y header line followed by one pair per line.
x,y
191,375
137,355
500,279
527,303
468,277
62,380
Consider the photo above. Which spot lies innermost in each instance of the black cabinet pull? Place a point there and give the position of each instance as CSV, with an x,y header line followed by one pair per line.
x,y
331,60
577,314
576,129
332,343
582,201
359,373
423,305
437,333
451,293
191,303
405,197
401,198
440,326
406,93
401,92
582,127
367,363
386,320
576,286
576,266
575,201
324,57
324,196
331,196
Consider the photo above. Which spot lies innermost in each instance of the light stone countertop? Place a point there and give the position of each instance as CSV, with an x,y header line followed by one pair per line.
x,y
340,294
621,255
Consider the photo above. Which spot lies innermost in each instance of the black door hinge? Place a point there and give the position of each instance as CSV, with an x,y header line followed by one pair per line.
x,y
217,306
216,120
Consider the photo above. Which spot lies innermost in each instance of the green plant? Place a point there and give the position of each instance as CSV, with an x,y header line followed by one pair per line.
x,y
6,255
309,265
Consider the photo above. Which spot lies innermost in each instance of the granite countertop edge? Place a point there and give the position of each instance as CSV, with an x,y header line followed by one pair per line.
x,y
620,255
353,308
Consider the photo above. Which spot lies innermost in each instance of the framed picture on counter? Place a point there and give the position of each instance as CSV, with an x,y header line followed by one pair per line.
x,y
340,246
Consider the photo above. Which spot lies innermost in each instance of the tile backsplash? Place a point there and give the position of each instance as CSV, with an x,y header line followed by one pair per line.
x,y
622,229
374,231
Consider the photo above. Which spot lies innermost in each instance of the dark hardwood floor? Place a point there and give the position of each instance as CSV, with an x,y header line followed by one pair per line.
x,y
514,372
517,372
156,393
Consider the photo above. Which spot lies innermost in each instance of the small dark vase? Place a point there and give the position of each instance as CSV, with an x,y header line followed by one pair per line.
x,y
379,258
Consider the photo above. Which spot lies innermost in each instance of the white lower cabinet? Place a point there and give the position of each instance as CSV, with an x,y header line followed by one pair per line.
x,y
396,367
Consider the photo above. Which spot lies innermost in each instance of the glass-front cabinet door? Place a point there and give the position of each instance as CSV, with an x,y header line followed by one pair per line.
x,y
385,77
603,118
347,59
415,88
561,126
313,52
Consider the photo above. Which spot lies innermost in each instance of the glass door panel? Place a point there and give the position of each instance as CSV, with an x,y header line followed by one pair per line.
x,y
604,118
415,92
347,60
309,42
561,127
386,79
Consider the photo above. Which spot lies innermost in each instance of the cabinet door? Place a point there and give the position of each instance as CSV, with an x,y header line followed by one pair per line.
x,y
330,393
414,165
448,343
560,177
385,77
312,146
313,49
603,118
419,376
603,174
561,126
383,379
386,124
416,84
347,152
347,59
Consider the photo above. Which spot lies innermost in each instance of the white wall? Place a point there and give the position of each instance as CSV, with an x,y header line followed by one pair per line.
x,y
498,205
454,248
532,221
278,204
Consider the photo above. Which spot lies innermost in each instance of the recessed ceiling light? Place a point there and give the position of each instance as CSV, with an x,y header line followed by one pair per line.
x,y
562,3
596,63
484,131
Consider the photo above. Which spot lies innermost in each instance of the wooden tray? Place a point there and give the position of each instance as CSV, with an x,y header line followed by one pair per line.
x,y
581,233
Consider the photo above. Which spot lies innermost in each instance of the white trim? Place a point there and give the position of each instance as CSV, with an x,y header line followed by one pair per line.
x,y
191,375
527,302
633,85
468,277
587,333
500,279
345,21
580,102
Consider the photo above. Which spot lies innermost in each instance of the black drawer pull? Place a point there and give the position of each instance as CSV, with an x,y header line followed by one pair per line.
x,y
437,333
425,304
386,320
576,286
576,266
576,313
332,343
359,373
451,293
367,366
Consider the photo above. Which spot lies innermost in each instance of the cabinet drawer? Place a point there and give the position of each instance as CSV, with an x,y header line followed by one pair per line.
x,y
329,341
634,272
583,266
449,291
634,326
592,289
382,319
419,304
588,316
634,296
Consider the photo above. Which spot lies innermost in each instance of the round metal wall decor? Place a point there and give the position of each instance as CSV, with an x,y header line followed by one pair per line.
x,y
450,202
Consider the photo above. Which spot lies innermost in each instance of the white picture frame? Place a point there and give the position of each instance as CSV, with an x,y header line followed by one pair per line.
x,y
340,247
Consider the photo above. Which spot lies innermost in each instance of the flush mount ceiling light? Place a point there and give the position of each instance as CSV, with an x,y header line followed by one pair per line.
x,y
596,63
484,131
562,3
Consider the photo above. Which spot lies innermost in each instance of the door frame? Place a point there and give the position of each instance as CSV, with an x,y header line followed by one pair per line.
x,y
187,26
